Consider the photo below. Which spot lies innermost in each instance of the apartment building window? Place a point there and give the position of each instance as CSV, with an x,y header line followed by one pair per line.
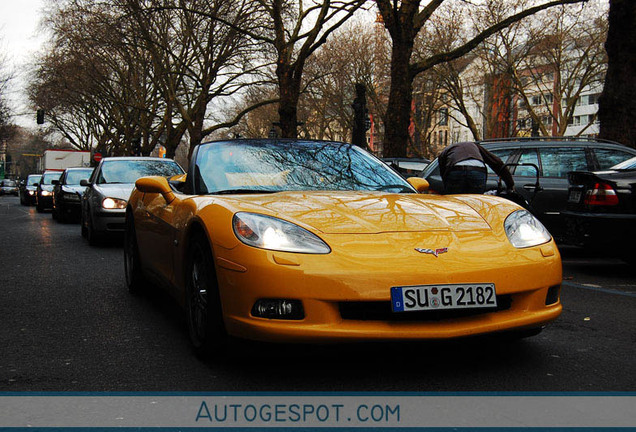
x,y
443,117
546,120
536,100
592,99
549,98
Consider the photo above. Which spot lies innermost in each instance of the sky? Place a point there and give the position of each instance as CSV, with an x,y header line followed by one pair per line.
x,y
19,41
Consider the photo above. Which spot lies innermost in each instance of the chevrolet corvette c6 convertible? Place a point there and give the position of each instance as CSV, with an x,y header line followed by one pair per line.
x,y
308,241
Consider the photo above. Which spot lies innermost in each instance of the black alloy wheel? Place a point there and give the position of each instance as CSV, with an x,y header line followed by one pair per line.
x,y
92,236
135,280
83,229
203,304
60,214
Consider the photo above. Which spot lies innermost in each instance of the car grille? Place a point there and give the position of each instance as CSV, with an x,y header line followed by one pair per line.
x,y
381,311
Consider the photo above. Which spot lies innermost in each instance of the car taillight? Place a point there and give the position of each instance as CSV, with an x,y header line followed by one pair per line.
x,y
601,194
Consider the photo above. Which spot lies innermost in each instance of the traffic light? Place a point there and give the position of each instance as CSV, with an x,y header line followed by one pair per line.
x,y
40,116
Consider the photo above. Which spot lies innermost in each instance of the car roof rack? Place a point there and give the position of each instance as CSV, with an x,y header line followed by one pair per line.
x,y
549,138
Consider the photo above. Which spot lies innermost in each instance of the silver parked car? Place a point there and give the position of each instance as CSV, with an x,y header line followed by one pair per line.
x,y
8,187
109,187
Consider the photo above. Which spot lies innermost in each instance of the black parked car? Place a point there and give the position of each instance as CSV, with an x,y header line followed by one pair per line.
x,y
67,193
28,189
601,211
44,191
554,157
407,167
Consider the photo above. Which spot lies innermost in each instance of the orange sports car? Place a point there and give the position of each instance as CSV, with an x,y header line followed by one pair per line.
x,y
310,241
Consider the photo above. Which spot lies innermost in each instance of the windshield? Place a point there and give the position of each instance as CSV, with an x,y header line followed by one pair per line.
x,y
47,178
128,171
73,177
9,183
34,178
628,164
273,166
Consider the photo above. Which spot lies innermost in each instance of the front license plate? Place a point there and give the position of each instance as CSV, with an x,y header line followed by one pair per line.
x,y
575,196
435,297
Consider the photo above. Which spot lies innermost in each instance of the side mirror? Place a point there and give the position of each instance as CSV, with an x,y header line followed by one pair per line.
x,y
418,183
155,184
84,182
55,182
35,184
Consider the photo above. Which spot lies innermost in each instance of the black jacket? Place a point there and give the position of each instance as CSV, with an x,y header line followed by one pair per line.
x,y
462,151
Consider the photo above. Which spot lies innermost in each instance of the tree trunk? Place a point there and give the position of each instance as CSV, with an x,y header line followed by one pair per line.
x,y
289,86
617,104
398,116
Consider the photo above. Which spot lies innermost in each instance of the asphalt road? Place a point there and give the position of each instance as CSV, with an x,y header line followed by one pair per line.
x,y
67,323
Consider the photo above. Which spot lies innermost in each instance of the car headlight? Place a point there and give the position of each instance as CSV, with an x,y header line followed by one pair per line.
x,y
31,192
268,232
114,203
46,193
524,230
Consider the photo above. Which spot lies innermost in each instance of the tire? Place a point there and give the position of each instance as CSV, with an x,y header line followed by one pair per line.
x,y
61,216
83,230
93,237
135,280
204,313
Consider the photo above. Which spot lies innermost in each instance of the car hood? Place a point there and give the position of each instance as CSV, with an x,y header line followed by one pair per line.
x,y
365,212
119,190
73,189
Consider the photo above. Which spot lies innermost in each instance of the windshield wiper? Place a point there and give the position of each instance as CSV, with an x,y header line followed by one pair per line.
x,y
402,188
242,191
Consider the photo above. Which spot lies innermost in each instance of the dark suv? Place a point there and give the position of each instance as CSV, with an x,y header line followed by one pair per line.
x,y
554,157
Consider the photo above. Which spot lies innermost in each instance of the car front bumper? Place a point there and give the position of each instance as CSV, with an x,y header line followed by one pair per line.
x,y
346,295
109,221
45,202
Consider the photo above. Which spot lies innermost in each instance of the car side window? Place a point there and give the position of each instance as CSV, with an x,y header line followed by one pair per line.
x,y
558,161
503,154
607,158
527,156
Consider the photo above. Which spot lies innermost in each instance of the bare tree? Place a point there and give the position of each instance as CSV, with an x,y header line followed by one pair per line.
x,y
5,111
404,20
292,31
617,108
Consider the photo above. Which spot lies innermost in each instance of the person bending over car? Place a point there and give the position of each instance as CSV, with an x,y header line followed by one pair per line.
x,y
463,168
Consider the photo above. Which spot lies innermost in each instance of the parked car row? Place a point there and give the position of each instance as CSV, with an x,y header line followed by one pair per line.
x,y
554,158
97,198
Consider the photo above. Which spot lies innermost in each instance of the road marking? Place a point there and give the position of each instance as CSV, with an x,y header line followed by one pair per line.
x,y
595,288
